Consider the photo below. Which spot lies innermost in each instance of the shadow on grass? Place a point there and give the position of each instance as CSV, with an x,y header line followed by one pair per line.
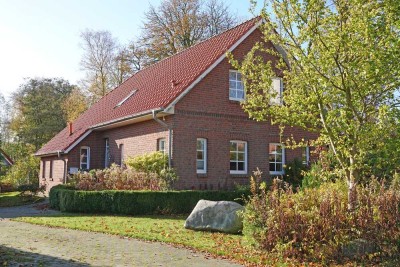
x,y
15,257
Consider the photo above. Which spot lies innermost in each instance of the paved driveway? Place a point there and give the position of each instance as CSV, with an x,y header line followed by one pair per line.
x,y
33,245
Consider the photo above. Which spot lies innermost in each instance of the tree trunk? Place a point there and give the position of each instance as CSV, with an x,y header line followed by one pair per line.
x,y
352,191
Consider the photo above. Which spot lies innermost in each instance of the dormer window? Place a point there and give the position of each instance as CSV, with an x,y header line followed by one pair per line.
x,y
276,91
236,87
126,98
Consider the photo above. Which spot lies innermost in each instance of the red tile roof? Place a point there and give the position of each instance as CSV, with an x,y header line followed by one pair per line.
x,y
153,85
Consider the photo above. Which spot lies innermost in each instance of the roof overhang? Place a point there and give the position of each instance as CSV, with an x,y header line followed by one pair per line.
x,y
120,122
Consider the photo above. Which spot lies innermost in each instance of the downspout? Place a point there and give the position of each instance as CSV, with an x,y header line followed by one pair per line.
x,y
154,112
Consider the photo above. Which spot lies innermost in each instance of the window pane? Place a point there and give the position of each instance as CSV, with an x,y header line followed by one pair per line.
x,y
233,156
240,146
83,152
233,166
239,76
233,146
240,166
232,93
232,84
279,149
232,75
84,166
200,155
200,164
271,158
239,85
278,158
199,144
241,156
272,167
279,167
240,94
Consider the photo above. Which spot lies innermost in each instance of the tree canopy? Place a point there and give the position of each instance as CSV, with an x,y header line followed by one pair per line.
x,y
38,113
340,67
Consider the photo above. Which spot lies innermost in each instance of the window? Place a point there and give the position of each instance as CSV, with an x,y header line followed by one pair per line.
x,y
236,88
43,169
201,162
161,145
276,90
238,157
276,158
85,158
107,155
121,148
51,169
305,156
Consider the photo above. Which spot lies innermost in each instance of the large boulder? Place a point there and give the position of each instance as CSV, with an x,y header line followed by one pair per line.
x,y
220,216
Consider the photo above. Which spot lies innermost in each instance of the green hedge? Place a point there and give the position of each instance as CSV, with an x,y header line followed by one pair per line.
x,y
64,198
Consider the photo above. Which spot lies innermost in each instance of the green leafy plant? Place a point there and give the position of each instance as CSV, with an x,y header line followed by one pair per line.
x,y
154,163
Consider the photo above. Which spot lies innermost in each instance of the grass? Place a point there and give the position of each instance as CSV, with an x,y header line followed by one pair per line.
x,y
170,229
164,228
11,199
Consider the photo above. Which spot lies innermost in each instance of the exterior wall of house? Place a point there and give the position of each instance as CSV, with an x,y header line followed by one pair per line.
x,y
52,170
206,112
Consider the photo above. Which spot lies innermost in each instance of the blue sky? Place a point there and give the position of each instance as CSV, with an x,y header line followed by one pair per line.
x,y
41,38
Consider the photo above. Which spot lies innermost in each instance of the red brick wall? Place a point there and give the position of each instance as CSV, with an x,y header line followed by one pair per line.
x,y
207,112
52,175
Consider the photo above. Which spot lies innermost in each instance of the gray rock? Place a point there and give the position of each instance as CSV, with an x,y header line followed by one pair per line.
x,y
358,248
220,216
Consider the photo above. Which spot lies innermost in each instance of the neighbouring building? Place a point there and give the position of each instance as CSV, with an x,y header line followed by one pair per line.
x,y
187,105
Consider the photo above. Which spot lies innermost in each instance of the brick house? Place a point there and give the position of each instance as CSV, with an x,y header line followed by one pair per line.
x,y
187,105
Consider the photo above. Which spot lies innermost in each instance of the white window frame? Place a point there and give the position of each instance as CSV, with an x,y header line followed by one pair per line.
x,y
275,162
277,100
107,153
159,141
236,81
305,150
204,150
87,158
245,157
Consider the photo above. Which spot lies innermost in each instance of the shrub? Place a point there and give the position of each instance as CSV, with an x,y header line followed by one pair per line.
x,y
134,202
31,189
294,172
154,163
314,224
117,178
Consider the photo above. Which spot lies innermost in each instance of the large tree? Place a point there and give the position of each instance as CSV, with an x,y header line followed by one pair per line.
x,y
38,113
178,24
341,72
97,62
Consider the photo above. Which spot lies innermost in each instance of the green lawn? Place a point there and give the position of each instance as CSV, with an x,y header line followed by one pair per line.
x,y
11,199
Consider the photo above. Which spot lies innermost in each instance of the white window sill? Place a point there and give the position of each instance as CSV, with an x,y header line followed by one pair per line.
x,y
201,171
237,99
238,172
276,173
